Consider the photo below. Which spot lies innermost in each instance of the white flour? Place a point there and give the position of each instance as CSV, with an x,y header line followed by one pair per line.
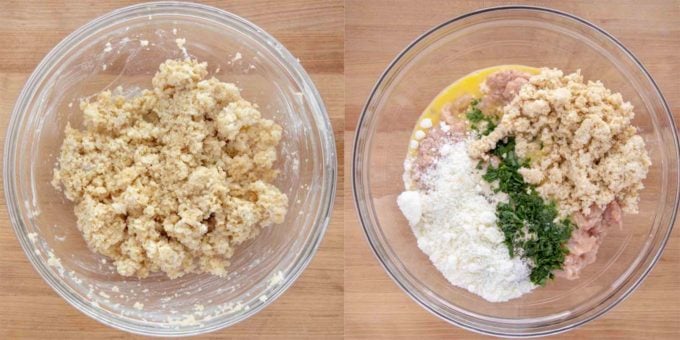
x,y
411,206
457,229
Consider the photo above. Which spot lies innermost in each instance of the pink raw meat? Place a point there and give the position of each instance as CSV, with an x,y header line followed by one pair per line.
x,y
586,239
502,87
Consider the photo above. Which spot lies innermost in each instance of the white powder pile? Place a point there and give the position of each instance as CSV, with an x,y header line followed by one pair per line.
x,y
455,224
411,206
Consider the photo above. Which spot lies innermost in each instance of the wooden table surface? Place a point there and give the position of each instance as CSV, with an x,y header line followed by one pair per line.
x,y
375,32
314,32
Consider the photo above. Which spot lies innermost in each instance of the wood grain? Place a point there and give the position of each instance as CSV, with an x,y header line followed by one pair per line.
x,y
314,32
375,32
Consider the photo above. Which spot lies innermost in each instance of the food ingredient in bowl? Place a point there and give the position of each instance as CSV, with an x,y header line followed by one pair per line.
x,y
411,205
174,179
587,238
582,153
557,163
457,227
580,140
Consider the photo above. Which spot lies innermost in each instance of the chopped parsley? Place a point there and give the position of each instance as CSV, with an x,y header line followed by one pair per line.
x,y
478,120
530,225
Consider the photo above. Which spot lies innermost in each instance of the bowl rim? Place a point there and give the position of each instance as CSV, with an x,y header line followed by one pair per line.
x,y
321,119
364,220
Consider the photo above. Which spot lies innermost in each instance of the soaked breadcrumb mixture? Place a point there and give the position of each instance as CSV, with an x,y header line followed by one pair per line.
x,y
174,179
584,150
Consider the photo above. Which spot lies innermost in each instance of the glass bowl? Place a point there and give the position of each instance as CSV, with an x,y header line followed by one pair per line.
x,y
109,52
511,35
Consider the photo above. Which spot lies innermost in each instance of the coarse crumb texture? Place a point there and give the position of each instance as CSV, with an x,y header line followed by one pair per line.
x,y
579,138
174,179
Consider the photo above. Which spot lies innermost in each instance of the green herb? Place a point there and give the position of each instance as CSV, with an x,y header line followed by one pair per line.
x,y
474,114
530,224
478,120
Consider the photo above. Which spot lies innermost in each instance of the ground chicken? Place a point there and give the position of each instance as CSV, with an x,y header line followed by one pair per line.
x,y
500,88
587,238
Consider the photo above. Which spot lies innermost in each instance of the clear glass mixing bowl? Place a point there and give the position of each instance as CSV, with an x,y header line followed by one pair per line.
x,y
512,35
237,51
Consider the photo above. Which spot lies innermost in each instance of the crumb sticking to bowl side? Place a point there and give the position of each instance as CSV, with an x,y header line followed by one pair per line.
x,y
174,179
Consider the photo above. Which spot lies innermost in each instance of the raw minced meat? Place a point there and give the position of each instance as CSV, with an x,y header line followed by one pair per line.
x,y
174,179
587,238
500,88
428,151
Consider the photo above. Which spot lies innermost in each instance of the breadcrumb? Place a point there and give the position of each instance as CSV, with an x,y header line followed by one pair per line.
x,y
174,179
579,138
